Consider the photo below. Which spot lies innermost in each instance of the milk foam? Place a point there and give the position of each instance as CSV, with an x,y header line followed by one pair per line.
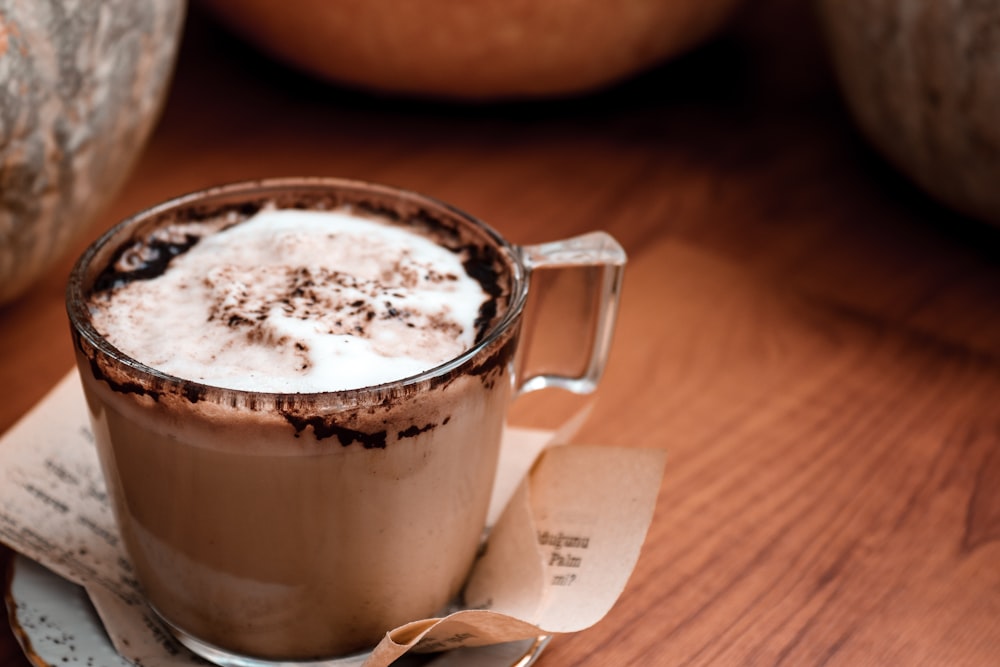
x,y
297,301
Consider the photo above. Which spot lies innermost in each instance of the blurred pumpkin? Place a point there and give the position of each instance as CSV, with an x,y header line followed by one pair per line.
x,y
922,79
81,84
474,50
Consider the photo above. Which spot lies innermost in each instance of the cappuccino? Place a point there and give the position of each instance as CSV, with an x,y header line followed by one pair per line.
x,y
298,388
298,406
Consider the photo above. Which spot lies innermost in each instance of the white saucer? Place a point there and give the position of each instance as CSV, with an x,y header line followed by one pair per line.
x,y
56,626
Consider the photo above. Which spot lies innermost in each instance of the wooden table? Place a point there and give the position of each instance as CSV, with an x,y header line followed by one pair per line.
x,y
815,342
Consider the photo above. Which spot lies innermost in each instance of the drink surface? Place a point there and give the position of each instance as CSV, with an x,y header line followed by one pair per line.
x,y
291,301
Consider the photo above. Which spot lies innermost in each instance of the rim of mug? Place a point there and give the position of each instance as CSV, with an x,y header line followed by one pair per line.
x,y
81,325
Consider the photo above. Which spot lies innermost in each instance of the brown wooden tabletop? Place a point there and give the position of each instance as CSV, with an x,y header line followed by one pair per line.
x,y
814,342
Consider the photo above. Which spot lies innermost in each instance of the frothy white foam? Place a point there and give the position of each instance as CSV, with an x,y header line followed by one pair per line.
x,y
298,301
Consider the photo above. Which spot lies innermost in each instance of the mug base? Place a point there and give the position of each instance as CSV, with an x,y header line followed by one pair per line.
x,y
225,658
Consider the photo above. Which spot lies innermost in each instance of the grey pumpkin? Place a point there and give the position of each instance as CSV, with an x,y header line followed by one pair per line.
x,y
81,85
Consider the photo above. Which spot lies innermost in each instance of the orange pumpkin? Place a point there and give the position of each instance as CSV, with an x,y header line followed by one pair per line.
x,y
474,50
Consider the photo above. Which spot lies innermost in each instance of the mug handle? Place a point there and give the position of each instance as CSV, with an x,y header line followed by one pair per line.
x,y
574,288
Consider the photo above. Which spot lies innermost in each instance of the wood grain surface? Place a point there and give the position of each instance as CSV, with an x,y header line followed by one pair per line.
x,y
814,342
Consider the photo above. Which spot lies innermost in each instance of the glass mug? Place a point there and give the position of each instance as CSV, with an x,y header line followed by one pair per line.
x,y
273,528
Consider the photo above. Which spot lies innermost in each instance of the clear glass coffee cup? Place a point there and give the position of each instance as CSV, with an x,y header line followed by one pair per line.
x,y
273,528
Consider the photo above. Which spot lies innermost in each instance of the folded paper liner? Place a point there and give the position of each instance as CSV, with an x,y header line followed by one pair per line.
x,y
568,522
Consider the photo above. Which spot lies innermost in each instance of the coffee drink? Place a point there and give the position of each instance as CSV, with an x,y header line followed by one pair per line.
x,y
298,389
263,513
